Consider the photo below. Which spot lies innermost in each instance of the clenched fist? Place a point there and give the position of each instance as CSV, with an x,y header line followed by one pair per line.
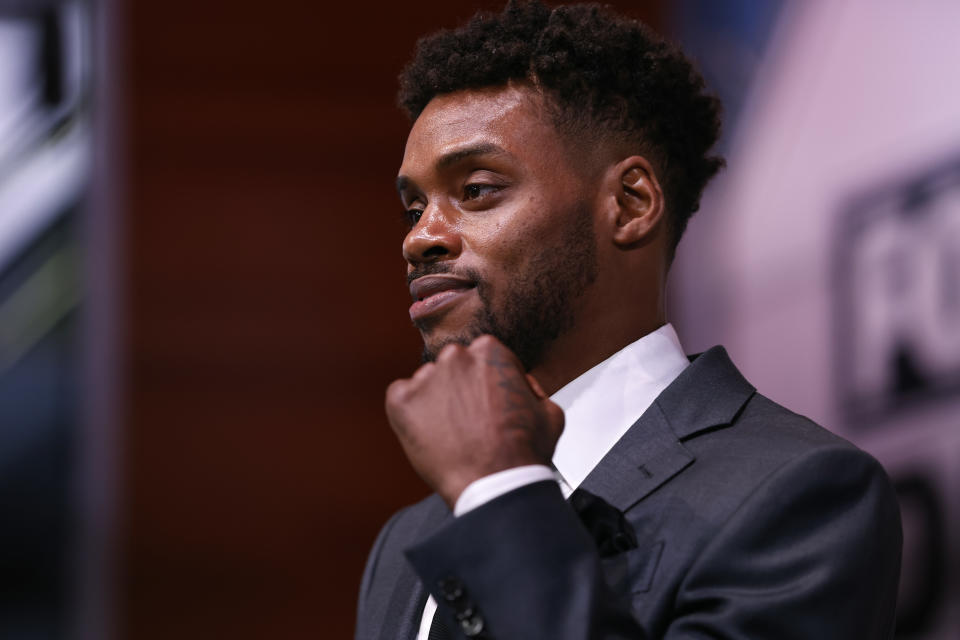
x,y
471,413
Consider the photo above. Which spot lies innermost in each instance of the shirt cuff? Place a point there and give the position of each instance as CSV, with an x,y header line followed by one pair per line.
x,y
482,491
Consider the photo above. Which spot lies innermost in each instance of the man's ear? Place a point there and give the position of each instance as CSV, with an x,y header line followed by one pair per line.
x,y
639,201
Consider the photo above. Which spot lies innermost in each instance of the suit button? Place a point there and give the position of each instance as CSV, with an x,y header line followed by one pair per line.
x,y
451,589
472,626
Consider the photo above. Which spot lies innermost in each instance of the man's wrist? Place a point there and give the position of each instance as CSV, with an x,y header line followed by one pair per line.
x,y
487,488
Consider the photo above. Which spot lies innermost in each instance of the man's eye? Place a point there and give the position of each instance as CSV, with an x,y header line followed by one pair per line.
x,y
474,191
412,216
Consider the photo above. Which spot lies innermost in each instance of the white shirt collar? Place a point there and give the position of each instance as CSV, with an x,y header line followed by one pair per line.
x,y
601,404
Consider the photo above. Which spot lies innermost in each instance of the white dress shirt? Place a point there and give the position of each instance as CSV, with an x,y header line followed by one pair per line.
x,y
599,406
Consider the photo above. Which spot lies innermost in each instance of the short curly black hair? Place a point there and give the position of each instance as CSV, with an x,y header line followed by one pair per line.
x,y
603,72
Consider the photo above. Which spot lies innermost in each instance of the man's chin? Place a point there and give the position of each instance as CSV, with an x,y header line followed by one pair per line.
x,y
461,326
433,344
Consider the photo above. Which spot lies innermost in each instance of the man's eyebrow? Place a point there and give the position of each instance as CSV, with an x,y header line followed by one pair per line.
x,y
479,149
458,155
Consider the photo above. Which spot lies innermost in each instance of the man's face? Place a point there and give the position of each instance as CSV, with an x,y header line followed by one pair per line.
x,y
502,240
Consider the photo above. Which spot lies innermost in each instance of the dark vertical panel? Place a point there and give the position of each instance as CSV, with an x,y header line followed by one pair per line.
x,y
266,311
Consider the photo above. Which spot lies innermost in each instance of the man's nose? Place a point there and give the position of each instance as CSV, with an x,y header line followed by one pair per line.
x,y
434,237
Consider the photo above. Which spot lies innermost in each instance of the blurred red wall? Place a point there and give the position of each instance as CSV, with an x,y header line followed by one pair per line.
x,y
265,310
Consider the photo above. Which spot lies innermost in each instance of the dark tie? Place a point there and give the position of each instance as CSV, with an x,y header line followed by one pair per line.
x,y
438,630
608,527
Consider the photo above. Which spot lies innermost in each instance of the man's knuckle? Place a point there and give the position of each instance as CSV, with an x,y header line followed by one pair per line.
x,y
486,341
391,395
423,372
397,392
449,352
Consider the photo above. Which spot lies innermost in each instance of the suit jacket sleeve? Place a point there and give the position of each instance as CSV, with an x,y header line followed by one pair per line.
x,y
523,565
812,552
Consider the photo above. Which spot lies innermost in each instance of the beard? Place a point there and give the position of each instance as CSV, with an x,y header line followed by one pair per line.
x,y
540,302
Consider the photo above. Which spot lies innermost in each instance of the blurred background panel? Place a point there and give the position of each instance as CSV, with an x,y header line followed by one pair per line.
x,y
45,151
202,298
827,256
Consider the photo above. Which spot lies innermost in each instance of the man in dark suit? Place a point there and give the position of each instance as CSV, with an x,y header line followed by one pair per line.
x,y
590,481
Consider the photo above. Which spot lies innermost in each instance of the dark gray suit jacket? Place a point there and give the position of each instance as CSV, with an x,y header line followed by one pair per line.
x,y
752,522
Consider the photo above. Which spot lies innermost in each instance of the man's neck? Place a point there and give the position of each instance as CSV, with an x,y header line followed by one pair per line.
x,y
574,354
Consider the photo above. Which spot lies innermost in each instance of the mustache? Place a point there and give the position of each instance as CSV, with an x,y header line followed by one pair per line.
x,y
436,268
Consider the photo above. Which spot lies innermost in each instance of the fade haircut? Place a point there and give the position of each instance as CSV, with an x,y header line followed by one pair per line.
x,y
601,74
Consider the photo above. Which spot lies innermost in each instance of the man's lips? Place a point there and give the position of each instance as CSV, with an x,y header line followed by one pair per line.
x,y
430,293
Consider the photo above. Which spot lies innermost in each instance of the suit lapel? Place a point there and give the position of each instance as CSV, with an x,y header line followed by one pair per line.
x,y
707,395
645,457
405,609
